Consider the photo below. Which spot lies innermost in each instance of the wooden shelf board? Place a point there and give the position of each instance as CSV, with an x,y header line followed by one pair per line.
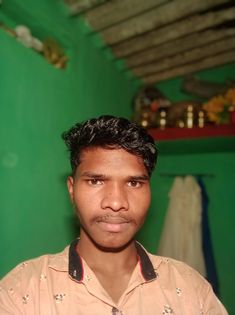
x,y
196,140
196,132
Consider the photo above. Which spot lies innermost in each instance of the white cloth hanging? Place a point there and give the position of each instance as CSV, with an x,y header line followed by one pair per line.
x,y
182,235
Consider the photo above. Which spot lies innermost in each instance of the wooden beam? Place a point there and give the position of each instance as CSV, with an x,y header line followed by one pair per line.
x,y
116,11
173,31
186,57
207,63
78,6
177,46
155,18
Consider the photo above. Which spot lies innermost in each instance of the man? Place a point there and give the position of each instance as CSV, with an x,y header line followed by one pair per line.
x,y
105,271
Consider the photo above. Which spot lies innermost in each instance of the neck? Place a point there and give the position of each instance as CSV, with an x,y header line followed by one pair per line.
x,y
99,258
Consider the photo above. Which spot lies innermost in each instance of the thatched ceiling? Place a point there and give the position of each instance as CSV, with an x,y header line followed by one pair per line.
x,y
162,39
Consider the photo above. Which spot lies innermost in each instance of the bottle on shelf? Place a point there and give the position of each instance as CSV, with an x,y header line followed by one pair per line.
x,y
189,117
201,119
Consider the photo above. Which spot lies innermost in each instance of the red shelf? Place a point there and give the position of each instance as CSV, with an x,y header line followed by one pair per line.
x,y
196,132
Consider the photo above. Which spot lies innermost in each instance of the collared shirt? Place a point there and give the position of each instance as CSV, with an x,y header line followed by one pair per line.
x,y
63,284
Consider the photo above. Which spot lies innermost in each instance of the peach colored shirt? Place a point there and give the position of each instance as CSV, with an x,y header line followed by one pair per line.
x,y
64,284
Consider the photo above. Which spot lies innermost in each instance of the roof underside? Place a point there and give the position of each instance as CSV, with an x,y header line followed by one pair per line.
x,y
163,39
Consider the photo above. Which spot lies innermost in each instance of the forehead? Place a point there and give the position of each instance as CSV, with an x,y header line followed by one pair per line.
x,y
105,160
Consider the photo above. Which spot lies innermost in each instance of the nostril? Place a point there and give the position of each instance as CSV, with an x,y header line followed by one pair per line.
x,y
115,203
115,197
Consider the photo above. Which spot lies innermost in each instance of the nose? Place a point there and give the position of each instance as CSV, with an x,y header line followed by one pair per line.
x,y
115,198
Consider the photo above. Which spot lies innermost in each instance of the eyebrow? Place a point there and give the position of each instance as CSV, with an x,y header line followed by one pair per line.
x,y
93,175
139,178
102,176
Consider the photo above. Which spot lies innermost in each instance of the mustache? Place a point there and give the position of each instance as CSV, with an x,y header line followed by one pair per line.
x,y
118,219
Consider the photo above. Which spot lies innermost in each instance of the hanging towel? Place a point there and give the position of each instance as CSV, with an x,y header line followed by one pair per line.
x,y
211,273
181,238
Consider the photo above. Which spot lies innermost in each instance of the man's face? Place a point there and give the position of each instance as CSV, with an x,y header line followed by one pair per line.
x,y
111,193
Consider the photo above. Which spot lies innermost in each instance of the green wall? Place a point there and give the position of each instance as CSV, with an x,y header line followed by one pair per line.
x,y
180,158
172,88
37,103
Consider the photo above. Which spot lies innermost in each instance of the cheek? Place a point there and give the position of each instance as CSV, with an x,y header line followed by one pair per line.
x,y
148,198
82,204
82,196
143,198
141,203
86,205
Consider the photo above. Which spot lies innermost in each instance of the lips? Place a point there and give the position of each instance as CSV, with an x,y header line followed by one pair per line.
x,y
113,224
113,219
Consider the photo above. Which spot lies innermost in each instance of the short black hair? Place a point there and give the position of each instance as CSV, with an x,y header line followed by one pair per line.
x,y
110,132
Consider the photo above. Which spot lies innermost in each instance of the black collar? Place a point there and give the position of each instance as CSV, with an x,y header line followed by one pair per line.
x,y
76,267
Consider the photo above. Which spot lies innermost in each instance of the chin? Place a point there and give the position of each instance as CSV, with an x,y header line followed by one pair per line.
x,y
114,245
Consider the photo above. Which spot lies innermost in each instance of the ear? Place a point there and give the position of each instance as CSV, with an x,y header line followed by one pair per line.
x,y
70,182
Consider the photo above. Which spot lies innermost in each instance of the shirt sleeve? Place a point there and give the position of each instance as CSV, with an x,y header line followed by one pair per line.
x,y
11,302
210,304
207,301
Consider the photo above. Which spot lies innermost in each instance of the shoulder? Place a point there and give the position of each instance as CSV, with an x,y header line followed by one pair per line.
x,y
27,278
174,275
33,270
166,263
169,267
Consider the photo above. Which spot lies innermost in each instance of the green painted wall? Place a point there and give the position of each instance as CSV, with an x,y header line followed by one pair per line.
x,y
37,103
220,188
172,88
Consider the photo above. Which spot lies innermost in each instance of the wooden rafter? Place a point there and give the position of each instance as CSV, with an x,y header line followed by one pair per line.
x,y
113,12
155,18
173,31
216,60
177,46
186,57
78,6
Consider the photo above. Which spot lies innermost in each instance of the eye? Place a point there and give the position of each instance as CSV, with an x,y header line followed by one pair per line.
x,y
94,182
134,184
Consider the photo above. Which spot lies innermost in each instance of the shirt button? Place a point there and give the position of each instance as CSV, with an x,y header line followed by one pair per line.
x,y
88,278
115,311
